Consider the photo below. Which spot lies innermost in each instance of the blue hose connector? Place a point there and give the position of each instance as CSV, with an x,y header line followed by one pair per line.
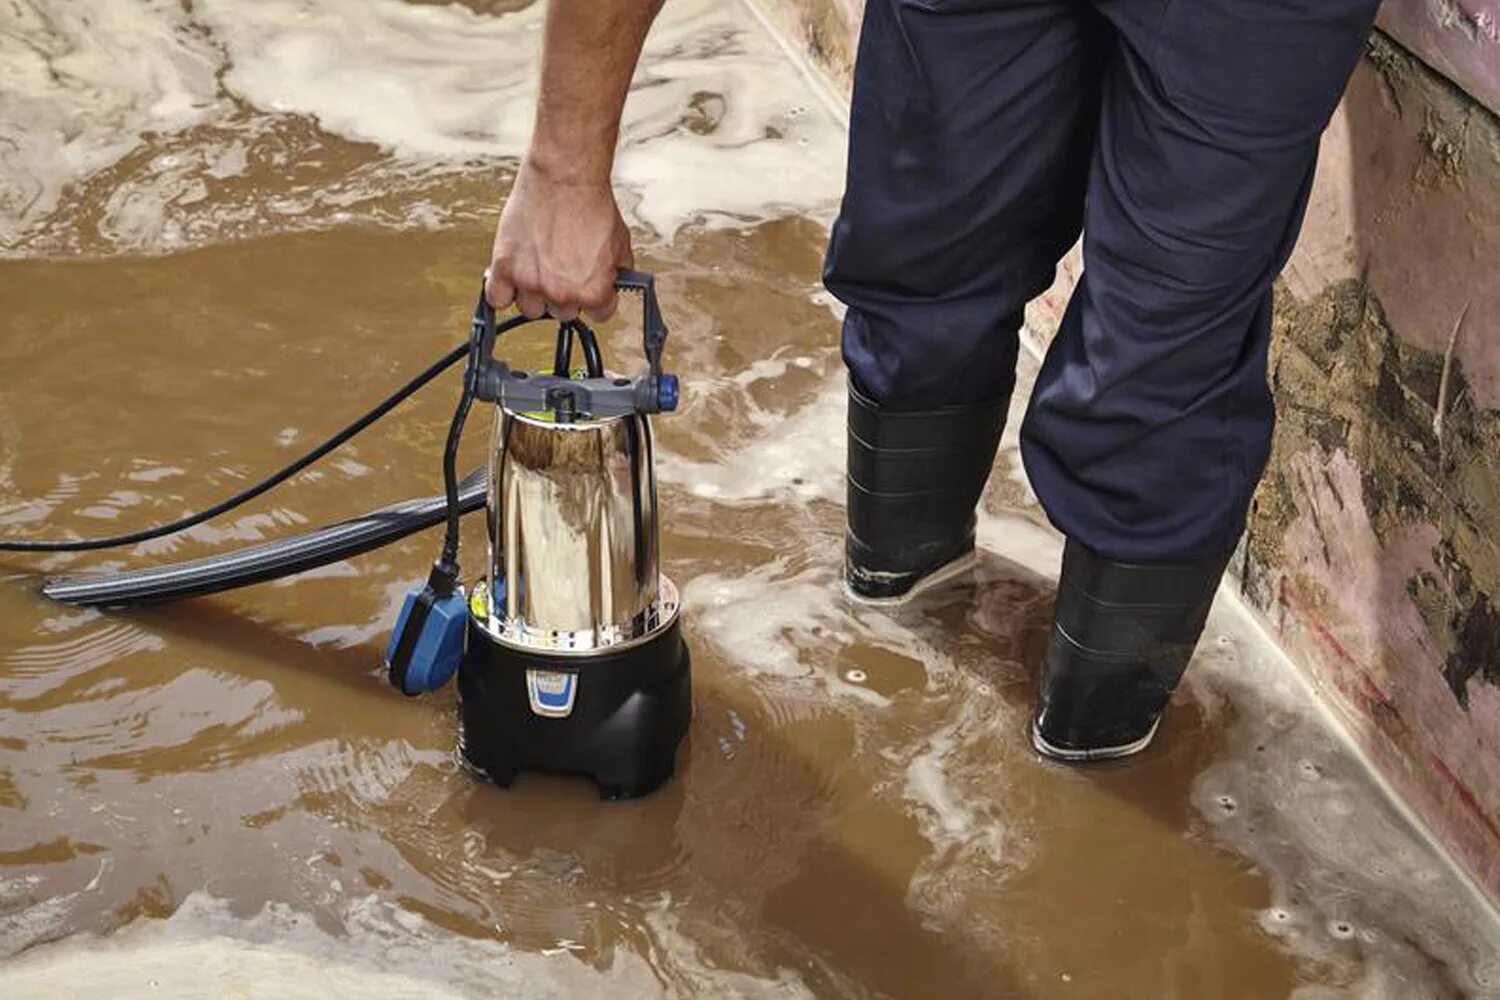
x,y
666,393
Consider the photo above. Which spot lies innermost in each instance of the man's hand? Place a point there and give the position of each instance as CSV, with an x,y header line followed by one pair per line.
x,y
558,245
561,237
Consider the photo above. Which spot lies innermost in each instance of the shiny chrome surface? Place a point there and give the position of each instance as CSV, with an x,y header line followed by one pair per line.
x,y
573,533
563,641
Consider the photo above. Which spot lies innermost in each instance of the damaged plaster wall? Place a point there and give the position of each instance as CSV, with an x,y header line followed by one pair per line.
x,y
1374,544
1458,38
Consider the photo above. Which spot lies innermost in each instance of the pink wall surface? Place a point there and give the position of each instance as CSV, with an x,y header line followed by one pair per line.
x,y
1458,38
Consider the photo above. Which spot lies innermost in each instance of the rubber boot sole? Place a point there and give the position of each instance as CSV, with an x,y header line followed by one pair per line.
x,y
1092,755
943,574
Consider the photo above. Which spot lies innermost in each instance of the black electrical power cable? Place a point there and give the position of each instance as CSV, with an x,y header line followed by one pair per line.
x,y
449,560
442,581
271,481
482,336
593,362
562,358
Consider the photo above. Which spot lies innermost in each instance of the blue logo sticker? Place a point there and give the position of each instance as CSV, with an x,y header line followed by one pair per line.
x,y
551,692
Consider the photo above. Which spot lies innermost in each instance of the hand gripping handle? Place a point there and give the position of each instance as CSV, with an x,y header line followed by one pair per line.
x,y
493,380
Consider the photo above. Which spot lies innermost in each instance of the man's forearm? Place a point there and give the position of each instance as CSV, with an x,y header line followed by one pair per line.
x,y
561,240
590,54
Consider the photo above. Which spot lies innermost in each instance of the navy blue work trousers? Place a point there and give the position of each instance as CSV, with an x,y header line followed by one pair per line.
x,y
1180,137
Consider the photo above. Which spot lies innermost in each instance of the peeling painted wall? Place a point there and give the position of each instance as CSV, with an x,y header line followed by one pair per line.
x,y
1374,543
1458,38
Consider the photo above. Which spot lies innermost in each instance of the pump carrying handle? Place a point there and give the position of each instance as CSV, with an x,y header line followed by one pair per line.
x,y
653,327
492,380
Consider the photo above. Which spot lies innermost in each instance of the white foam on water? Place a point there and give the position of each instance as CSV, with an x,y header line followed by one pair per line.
x,y
10,437
927,782
81,82
948,814
824,298
1024,541
767,620
420,80
766,369
949,786
797,456
786,630
203,952
679,961
435,90
769,130
215,968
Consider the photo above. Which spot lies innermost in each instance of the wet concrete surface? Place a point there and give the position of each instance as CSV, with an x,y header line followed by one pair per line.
x,y
232,240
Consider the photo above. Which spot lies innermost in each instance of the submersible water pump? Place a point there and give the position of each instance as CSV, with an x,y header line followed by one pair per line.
x,y
569,653
574,659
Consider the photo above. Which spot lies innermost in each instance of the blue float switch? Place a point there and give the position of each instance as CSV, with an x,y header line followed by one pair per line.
x,y
428,640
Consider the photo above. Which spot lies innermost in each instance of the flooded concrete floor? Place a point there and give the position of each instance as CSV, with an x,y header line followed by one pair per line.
x,y
229,227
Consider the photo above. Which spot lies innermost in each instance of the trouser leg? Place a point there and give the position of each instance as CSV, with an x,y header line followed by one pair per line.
x,y
1151,419
970,132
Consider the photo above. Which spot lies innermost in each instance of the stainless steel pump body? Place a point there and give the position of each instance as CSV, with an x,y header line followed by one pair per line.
x,y
574,543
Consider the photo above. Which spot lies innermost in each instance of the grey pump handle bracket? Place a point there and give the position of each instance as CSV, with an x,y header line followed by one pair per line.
x,y
570,398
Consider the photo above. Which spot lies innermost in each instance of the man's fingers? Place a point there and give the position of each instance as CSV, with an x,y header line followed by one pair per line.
x,y
532,305
600,314
500,292
598,311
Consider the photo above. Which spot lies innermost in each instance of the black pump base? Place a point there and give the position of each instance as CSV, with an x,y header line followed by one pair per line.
x,y
629,711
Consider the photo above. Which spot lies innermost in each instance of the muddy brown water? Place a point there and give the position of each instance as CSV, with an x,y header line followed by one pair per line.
x,y
223,798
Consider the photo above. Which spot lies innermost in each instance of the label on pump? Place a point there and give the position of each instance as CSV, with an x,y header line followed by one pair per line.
x,y
551,692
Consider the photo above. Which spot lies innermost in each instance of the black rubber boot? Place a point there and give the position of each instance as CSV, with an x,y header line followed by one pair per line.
x,y
914,481
1122,634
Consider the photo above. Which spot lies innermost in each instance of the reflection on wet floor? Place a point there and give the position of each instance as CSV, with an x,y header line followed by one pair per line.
x,y
227,790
